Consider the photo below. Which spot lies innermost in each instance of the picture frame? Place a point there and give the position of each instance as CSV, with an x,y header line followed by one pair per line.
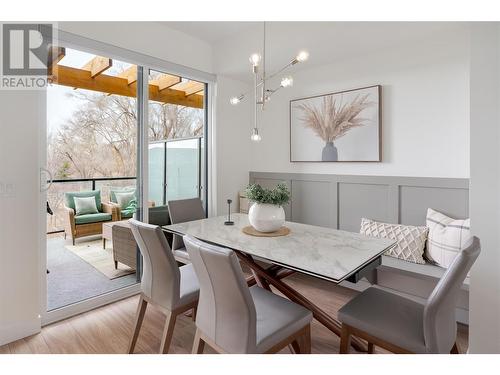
x,y
343,126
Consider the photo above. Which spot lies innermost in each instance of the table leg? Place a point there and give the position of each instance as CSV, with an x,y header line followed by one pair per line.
x,y
320,315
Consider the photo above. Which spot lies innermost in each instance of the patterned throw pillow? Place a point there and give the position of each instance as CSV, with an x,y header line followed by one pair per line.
x,y
85,205
410,240
447,237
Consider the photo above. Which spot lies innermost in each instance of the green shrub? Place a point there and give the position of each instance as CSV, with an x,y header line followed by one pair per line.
x,y
279,196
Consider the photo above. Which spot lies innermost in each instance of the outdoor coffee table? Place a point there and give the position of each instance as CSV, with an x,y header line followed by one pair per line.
x,y
107,230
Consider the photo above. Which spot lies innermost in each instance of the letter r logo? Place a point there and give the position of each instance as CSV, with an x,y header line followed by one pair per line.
x,y
26,49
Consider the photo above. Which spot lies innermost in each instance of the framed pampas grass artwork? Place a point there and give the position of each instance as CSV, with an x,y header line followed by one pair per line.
x,y
339,127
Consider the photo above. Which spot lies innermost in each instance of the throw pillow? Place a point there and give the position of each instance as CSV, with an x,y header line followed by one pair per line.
x,y
85,206
410,240
447,237
124,198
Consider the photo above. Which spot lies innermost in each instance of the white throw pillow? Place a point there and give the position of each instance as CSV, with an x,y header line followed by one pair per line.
x,y
410,240
447,237
124,198
85,205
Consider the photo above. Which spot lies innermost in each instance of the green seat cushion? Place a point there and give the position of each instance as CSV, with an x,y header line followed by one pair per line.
x,y
113,191
127,214
70,201
92,218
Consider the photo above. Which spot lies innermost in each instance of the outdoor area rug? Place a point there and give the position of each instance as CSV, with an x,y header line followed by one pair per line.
x,y
99,258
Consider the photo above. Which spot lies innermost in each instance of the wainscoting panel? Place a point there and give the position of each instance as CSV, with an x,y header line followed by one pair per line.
x,y
357,200
313,203
340,201
450,201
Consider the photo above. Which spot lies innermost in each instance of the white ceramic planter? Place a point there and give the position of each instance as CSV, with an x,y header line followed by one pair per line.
x,y
266,217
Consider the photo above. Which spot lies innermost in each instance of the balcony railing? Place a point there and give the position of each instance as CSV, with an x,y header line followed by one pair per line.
x,y
175,172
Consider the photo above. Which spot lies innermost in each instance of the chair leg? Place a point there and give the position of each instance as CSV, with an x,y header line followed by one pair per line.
x,y
294,347
116,265
168,332
371,348
305,341
193,314
455,350
345,340
198,344
73,241
139,317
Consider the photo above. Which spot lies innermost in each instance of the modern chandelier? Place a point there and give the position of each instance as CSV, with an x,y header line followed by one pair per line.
x,y
262,89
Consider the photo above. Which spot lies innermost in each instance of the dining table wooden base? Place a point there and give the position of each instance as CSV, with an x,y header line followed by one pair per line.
x,y
273,275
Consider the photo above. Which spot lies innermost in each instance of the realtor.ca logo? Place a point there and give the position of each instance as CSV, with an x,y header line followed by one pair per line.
x,y
26,55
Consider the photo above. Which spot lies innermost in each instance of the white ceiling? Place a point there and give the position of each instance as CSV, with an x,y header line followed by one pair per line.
x,y
210,31
327,42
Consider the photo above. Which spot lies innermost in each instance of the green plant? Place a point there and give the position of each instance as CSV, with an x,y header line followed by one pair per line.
x,y
279,196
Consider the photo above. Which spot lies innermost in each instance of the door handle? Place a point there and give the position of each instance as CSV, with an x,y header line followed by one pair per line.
x,y
51,179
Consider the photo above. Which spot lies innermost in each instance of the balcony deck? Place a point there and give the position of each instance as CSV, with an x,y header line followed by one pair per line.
x,y
72,279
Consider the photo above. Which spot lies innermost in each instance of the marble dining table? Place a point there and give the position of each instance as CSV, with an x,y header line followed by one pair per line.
x,y
325,253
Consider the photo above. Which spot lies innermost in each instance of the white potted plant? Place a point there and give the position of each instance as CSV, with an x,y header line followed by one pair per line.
x,y
266,213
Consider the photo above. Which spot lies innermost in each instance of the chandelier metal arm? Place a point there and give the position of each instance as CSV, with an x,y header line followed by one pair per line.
x,y
261,93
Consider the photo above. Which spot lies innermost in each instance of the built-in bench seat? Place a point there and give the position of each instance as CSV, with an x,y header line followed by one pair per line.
x,y
415,281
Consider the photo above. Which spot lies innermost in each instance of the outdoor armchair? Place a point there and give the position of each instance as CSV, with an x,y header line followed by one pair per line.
x,y
77,226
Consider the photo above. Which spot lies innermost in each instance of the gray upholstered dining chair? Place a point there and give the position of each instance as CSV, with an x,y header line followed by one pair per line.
x,y
171,288
401,325
233,318
183,210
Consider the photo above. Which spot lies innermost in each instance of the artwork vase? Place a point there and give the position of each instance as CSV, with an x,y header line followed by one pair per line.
x,y
330,152
266,217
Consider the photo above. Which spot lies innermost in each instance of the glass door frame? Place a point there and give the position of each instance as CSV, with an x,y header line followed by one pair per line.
x,y
144,64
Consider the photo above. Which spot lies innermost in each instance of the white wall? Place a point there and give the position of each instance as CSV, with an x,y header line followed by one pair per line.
x,y
22,115
484,315
150,38
232,143
425,104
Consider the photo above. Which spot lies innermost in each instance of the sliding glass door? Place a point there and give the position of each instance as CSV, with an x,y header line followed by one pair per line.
x,y
105,118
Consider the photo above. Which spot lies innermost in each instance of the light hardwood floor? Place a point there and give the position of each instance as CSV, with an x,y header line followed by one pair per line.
x,y
107,330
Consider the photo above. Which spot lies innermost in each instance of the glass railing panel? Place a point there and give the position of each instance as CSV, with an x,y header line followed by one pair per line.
x,y
183,159
156,172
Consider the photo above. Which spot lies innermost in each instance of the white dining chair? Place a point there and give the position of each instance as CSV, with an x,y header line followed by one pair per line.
x,y
181,211
233,318
402,325
171,288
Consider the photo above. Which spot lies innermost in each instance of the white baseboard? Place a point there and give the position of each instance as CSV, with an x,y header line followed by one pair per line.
x,y
90,304
19,330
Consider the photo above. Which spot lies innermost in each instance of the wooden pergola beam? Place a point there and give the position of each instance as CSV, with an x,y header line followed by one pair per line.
x,y
166,81
98,65
190,87
130,74
82,79
56,54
